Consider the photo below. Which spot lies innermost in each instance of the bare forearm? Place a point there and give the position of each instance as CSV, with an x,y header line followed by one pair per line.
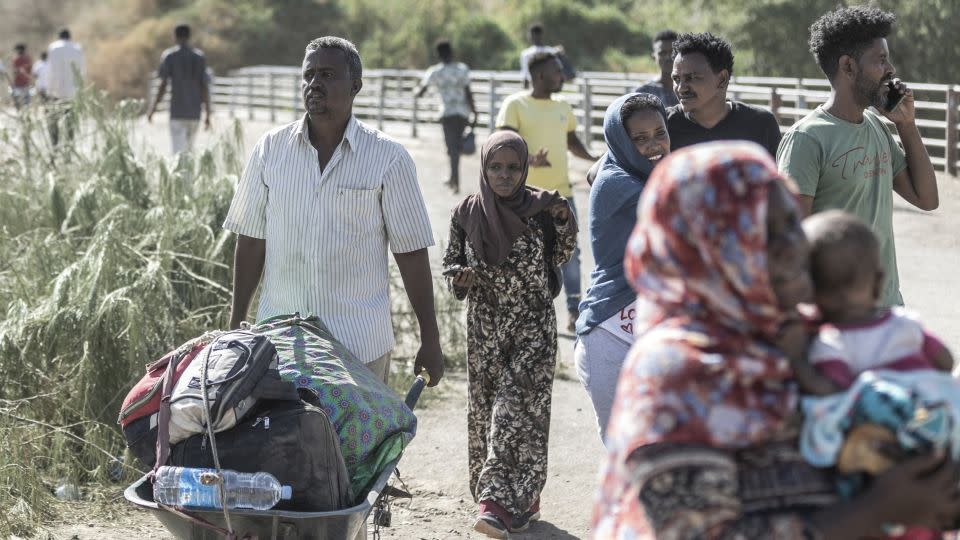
x,y
575,145
848,519
162,91
473,107
922,176
418,282
248,260
206,98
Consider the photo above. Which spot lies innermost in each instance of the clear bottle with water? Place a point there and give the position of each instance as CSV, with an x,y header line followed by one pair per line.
x,y
198,488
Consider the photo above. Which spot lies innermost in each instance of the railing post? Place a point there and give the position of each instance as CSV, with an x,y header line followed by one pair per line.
x,y
492,121
233,98
250,96
413,117
271,89
801,101
383,100
587,112
775,103
296,97
951,154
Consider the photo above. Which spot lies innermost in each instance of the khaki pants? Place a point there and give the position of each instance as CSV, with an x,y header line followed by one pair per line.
x,y
381,367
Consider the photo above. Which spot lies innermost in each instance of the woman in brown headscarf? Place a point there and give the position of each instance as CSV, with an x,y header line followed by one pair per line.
x,y
497,258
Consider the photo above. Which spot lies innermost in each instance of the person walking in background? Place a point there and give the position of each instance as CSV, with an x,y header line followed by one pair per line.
x,y
39,72
841,155
499,259
452,81
702,67
318,205
21,65
548,125
185,68
635,129
535,37
662,87
66,68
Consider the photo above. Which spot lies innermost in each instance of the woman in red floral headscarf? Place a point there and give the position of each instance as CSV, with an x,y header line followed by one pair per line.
x,y
702,438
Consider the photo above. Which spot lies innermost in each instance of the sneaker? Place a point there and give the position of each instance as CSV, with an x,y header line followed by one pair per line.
x,y
574,314
454,185
522,523
489,524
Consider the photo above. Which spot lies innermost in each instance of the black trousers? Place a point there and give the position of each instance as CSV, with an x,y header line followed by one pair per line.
x,y
453,128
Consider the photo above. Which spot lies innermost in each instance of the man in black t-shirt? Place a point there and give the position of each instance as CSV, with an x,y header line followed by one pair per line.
x,y
702,67
185,68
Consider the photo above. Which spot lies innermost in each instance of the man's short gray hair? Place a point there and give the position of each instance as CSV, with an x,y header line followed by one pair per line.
x,y
348,48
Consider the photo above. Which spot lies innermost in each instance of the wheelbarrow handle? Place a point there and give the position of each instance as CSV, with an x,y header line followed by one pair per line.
x,y
413,395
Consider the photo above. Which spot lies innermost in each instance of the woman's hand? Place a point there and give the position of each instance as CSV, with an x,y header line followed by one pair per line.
x,y
465,278
923,490
919,491
560,211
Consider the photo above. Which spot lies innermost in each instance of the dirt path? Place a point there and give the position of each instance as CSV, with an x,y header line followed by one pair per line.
x,y
434,466
434,469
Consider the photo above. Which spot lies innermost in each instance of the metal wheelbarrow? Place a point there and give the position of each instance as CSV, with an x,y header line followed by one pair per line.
x,y
346,524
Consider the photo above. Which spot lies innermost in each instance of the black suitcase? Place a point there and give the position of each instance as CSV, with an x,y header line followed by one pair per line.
x,y
292,440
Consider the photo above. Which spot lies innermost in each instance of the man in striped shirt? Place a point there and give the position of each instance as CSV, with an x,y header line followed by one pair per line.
x,y
318,204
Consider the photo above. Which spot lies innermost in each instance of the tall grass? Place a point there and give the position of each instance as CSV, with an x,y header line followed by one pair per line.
x,y
108,259
451,319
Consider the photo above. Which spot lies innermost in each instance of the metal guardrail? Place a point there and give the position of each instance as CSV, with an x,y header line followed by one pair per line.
x,y
387,95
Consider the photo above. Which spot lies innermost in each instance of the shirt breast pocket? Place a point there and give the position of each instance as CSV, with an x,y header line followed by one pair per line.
x,y
359,209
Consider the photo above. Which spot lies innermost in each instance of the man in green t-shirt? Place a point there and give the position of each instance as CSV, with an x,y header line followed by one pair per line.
x,y
546,121
841,155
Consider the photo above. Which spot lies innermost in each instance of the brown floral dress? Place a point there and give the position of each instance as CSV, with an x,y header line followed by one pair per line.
x,y
511,356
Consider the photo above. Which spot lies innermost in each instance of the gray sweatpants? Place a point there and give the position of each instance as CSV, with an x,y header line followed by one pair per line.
x,y
599,355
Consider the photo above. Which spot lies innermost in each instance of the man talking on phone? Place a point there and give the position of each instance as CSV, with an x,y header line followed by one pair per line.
x,y
841,155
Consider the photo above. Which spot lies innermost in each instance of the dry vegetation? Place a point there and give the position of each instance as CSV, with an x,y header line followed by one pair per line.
x,y
108,258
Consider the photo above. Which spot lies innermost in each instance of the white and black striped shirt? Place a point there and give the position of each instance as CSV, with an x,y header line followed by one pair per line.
x,y
327,232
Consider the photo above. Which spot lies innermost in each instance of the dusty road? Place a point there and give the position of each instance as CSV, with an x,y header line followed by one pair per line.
x,y
434,466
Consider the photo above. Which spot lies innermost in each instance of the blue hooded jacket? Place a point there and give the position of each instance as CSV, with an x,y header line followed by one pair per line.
x,y
612,216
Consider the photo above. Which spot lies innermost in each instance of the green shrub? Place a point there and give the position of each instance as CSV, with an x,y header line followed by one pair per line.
x,y
483,43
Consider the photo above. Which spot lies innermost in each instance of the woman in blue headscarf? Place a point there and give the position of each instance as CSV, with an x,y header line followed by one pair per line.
x,y
635,130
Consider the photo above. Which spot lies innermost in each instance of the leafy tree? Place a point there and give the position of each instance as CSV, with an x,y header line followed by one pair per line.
x,y
483,44
124,37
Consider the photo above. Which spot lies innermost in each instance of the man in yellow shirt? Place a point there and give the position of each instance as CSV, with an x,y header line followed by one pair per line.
x,y
549,126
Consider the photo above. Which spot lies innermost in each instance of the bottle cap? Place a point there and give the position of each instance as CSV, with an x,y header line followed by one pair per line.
x,y
286,492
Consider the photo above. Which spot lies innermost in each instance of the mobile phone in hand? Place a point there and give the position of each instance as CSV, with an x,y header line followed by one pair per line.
x,y
894,96
453,271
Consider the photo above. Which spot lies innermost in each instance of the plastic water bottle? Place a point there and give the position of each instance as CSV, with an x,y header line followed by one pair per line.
x,y
198,488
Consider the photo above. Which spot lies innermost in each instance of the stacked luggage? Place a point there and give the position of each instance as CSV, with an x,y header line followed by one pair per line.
x,y
283,397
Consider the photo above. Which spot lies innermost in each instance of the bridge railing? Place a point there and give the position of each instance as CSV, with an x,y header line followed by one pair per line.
x,y
273,93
